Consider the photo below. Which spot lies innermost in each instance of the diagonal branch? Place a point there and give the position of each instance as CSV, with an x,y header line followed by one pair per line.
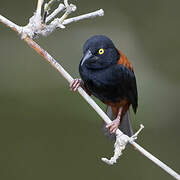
x,y
122,139
10,24
101,113
67,76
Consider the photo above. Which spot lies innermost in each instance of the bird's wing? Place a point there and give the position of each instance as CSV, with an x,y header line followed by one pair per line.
x,y
125,81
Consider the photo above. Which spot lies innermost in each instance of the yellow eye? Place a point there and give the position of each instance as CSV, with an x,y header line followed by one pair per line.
x,y
101,51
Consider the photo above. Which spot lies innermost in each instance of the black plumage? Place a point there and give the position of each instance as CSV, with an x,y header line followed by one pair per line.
x,y
103,77
108,75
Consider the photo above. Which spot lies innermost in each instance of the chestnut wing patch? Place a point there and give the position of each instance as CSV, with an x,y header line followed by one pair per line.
x,y
124,61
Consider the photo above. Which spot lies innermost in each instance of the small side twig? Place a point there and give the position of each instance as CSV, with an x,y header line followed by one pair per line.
x,y
85,16
39,7
69,9
47,8
60,8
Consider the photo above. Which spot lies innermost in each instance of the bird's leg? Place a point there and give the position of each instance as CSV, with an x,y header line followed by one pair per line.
x,y
113,126
75,84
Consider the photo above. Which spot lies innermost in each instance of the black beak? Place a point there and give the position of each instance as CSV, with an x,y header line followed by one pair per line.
x,y
86,56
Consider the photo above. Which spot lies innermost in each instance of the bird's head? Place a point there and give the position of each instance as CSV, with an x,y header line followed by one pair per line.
x,y
99,52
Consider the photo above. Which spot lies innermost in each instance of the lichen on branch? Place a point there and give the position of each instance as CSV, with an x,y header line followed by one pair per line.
x,y
43,22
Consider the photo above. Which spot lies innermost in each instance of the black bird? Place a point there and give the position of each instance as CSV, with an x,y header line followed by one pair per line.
x,y
108,75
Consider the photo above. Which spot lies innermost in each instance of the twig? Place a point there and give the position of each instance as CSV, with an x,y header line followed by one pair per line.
x,y
47,7
37,24
69,9
85,16
39,7
60,8
122,139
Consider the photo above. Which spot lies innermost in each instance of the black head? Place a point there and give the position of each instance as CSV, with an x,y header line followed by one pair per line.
x,y
99,53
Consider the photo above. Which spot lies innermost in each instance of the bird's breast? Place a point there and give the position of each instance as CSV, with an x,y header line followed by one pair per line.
x,y
99,84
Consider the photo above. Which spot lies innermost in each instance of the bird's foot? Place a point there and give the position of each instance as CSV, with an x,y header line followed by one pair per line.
x,y
75,84
113,126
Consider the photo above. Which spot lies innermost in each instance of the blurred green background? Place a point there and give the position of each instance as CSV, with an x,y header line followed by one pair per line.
x,y
48,132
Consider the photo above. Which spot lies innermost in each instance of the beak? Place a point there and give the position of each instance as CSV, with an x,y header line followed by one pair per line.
x,y
86,56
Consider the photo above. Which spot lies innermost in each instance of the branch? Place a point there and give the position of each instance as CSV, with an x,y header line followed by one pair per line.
x,y
85,16
60,8
35,26
39,7
38,25
10,24
47,8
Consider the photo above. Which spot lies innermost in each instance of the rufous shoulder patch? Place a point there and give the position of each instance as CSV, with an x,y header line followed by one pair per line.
x,y
124,61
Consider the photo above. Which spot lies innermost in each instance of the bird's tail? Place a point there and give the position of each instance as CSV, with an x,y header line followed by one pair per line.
x,y
125,125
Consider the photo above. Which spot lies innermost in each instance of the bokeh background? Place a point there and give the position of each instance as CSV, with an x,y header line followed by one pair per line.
x,y
48,132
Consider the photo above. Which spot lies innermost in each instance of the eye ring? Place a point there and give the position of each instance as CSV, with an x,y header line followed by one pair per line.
x,y
101,51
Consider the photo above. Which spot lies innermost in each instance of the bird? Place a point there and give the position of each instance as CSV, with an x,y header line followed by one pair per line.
x,y
107,74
